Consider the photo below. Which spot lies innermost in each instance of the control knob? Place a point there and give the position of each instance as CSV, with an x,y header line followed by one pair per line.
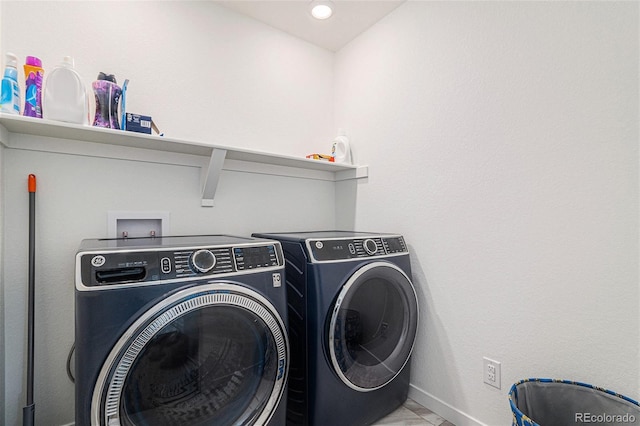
x,y
370,246
203,261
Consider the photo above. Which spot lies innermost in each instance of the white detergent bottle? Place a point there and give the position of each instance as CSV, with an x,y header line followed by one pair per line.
x,y
65,97
341,151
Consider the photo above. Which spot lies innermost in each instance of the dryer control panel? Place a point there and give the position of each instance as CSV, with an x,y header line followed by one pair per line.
x,y
336,249
98,269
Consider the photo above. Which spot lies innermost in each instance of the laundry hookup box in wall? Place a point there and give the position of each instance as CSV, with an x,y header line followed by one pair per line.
x,y
138,123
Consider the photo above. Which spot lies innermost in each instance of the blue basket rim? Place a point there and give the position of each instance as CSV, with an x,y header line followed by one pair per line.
x,y
517,411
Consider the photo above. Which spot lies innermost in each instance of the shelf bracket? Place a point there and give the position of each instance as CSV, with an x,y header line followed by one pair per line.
x,y
211,176
361,172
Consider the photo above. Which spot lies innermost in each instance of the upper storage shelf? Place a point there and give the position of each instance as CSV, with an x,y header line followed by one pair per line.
x,y
214,157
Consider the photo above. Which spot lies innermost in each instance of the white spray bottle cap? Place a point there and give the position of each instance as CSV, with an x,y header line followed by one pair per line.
x,y
12,60
67,61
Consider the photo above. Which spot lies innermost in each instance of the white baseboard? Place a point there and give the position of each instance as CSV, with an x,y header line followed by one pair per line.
x,y
441,408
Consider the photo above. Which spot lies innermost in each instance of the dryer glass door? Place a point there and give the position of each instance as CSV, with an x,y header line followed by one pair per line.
x,y
207,355
373,326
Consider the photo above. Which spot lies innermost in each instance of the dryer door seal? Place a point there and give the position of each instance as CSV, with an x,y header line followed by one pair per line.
x,y
373,326
210,354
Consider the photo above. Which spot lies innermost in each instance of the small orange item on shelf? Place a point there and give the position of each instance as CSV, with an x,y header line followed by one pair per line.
x,y
322,157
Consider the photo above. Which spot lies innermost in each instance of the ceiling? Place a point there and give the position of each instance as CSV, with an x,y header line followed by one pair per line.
x,y
350,18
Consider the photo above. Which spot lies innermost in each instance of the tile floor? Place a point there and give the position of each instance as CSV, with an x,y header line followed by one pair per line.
x,y
410,414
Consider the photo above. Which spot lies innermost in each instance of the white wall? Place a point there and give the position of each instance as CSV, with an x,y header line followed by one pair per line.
x,y
264,90
503,142
74,196
201,71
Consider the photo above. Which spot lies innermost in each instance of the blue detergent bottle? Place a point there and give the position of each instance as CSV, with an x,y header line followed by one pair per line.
x,y
10,91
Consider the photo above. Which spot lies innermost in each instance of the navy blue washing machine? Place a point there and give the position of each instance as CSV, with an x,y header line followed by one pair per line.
x,y
180,331
353,317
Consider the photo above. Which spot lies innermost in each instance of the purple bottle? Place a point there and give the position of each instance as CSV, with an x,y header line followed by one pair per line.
x,y
107,98
33,97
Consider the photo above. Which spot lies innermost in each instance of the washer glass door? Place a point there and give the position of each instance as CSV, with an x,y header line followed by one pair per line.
x,y
373,326
213,354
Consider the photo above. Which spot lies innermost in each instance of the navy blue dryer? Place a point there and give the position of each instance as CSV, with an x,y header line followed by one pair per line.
x,y
353,317
180,331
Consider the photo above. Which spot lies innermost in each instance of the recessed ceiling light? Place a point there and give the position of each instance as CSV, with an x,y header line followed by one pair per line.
x,y
321,9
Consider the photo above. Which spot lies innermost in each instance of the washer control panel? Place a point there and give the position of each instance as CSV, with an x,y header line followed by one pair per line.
x,y
123,267
323,250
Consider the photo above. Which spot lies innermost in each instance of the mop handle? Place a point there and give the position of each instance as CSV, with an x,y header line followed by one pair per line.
x,y
32,183
28,412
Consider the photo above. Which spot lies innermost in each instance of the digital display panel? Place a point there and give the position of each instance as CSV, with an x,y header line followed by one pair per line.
x,y
395,245
255,257
333,249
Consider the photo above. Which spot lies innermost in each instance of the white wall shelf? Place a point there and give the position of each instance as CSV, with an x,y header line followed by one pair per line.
x,y
54,136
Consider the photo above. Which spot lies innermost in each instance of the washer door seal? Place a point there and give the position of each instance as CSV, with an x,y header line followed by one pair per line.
x,y
373,326
210,354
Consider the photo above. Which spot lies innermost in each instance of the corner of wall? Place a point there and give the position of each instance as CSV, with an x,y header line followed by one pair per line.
x,y
2,322
2,345
345,204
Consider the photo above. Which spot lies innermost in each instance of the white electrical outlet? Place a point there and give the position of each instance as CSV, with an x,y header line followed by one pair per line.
x,y
491,371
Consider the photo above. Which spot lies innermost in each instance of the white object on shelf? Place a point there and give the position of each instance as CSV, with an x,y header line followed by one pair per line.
x,y
341,151
110,143
10,91
64,96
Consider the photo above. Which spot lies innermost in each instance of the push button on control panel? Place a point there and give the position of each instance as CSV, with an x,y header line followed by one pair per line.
x,y
165,265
